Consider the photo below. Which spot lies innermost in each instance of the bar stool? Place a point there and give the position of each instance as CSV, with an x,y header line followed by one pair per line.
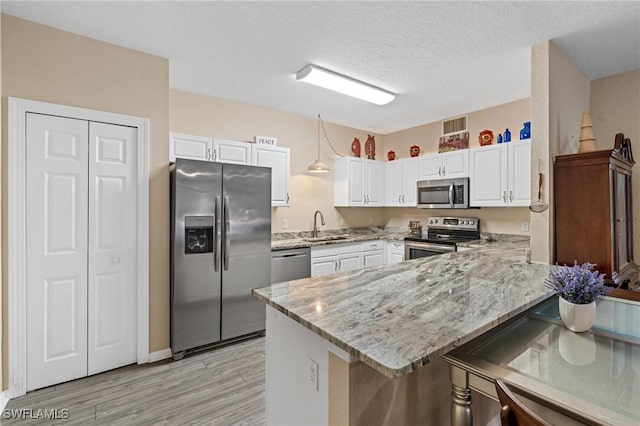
x,y
514,412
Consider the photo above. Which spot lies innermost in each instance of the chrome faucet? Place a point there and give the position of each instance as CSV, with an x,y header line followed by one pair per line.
x,y
315,223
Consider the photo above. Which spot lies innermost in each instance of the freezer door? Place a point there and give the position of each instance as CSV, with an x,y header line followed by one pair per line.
x,y
195,286
246,262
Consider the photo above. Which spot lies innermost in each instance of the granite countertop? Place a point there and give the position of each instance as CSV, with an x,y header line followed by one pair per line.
x,y
488,240
293,240
399,317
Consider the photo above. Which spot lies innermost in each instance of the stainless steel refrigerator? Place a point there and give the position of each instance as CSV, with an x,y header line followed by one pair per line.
x,y
220,250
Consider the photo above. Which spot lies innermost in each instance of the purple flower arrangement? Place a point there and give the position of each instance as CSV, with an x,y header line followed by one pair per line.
x,y
579,284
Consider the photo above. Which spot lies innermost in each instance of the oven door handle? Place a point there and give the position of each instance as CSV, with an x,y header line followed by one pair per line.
x,y
451,195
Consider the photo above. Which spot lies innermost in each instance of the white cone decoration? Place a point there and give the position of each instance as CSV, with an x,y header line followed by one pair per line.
x,y
587,138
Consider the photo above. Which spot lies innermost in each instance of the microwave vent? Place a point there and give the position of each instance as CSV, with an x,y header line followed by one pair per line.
x,y
454,125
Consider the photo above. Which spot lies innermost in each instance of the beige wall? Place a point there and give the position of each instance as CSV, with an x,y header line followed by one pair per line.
x,y
615,108
206,116
511,115
45,64
560,94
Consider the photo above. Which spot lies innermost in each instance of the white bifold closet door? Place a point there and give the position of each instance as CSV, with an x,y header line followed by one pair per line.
x,y
81,248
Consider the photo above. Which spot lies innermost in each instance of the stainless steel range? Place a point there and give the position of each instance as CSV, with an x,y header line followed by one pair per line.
x,y
443,233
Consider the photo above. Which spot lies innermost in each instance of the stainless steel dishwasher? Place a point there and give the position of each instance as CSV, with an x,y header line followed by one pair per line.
x,y
290,264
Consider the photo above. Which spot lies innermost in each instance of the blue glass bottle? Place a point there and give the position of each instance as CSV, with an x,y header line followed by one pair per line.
x,y
525,133
499,138
507,136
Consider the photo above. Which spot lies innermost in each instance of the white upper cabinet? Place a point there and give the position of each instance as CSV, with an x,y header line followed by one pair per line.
x,y
358,182
447,165
278,159
401,177
519,173
208,149
190,146
234,152
500,175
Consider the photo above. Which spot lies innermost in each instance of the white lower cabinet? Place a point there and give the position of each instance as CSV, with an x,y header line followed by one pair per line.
x,y
394,252
345,257
334,258
372,253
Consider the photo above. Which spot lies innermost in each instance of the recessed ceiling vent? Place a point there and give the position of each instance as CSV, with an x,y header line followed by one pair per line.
x,y
454,125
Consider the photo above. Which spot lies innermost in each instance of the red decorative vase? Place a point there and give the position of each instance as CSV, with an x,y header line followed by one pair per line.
x,y
370,147
391,155
414,151
355,147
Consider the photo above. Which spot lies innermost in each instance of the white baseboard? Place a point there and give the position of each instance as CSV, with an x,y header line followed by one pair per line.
x,y
4,399
160,355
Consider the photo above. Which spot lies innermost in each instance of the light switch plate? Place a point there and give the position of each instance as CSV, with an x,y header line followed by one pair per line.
x,y
285,223
524,226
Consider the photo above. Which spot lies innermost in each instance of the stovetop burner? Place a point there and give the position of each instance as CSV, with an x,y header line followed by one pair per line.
x,y
450,230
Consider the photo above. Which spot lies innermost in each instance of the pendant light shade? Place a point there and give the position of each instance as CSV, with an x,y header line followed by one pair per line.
x,y
318,166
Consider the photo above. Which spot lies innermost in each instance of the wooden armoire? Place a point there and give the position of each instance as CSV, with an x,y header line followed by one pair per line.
x,y
593,213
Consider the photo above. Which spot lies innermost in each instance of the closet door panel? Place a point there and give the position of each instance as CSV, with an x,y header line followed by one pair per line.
x,y
112,246
56,238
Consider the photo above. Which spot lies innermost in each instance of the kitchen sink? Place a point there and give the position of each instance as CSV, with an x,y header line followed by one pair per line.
x,y
324,238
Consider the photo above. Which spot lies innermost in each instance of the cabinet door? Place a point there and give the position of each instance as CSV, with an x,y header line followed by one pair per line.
x,y
349,262
374,183
410,172
393,183
372,258
278,159
519,173
324,265
394,251
356,182
234,152
622,235
430,167
455,164
488,167
190,147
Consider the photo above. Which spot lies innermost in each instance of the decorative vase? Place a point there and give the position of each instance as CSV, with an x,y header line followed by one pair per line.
x,y
414,151
525,132
577,317
391,155
587,138
370,147
355,147
485,137
507,136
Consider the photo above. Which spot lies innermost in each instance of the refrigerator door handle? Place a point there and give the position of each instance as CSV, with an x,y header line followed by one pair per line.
x,y
227,240
218,235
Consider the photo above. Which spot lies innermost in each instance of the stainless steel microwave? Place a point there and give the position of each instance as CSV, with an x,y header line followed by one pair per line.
x,y
443,193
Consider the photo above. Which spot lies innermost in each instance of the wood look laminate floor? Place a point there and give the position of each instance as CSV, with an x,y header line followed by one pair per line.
x,y
224,386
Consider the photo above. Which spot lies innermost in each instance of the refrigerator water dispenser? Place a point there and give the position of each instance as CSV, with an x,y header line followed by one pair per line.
x,y
198,232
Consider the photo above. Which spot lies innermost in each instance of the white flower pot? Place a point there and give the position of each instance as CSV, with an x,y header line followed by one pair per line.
x,y
577,318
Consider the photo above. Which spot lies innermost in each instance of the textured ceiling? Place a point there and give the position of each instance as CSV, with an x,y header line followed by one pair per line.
x,y
441,58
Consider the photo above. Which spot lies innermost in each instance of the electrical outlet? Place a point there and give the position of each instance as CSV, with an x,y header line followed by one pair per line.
x,y
285,223
370,221
342,221
524,226
313,374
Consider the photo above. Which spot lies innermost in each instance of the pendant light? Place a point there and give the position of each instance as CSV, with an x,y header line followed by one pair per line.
x,y
318,166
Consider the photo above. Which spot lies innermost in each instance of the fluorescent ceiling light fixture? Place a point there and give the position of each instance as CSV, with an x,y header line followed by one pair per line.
x,y
343,84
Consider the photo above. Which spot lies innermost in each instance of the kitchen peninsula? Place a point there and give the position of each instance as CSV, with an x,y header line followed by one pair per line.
x,y
355,347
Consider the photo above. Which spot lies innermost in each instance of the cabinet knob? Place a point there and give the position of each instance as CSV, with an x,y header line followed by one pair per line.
x,y
504,196
287,198
510,196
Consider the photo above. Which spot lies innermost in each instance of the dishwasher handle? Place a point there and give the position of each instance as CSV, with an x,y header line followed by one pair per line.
x,y
289,255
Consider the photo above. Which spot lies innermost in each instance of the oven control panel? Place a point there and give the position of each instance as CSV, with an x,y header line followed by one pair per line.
x,y
447,222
